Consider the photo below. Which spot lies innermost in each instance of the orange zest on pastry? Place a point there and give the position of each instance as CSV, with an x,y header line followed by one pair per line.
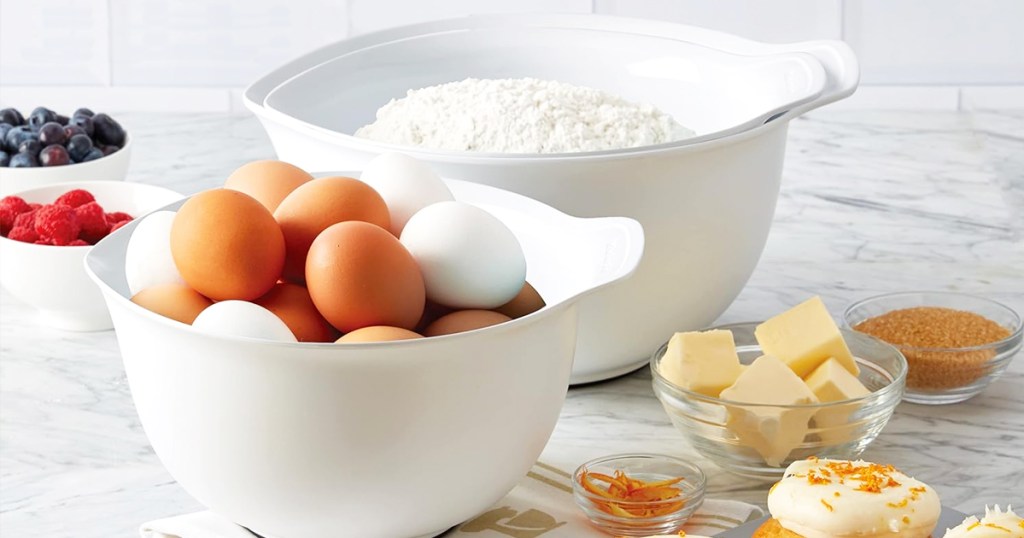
x,y
900,504
994,526
827,505
632,498
873,477
906,520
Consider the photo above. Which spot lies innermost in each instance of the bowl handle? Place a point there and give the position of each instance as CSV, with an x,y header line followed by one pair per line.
x,y
842,72
621,242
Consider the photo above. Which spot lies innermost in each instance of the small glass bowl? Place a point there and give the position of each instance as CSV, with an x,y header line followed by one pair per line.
x,y
725,431
947,375
646,467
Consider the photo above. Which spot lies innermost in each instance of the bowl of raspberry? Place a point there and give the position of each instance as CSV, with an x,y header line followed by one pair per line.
x,y
45,233
45,147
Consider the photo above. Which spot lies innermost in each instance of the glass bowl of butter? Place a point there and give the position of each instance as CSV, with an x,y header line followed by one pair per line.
x,y
754,397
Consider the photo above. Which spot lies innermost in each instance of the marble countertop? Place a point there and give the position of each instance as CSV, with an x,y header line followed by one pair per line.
x,y
871,202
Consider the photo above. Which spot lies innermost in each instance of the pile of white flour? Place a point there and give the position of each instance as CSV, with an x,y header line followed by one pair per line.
x,y
519,116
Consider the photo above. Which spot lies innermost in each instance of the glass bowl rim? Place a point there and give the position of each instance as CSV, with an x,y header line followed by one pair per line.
x,y
1016,332
697,493
897,383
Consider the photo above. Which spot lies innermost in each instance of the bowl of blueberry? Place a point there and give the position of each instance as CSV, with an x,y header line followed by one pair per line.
x,y
46,147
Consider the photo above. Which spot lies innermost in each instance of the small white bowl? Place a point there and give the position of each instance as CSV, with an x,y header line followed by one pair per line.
x,y
113,167
52,279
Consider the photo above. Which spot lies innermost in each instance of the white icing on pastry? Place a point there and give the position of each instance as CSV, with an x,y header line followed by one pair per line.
x,y
995,524
820,498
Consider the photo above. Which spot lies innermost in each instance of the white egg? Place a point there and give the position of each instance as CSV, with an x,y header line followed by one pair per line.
x,y
469,258
242,318
148,261
406,184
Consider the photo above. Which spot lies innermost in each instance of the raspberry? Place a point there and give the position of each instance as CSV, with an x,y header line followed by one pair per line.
x,y
93,222
33,205
118,225
43,242
57,223
26,219
78,243
26,234
16,203
10,208
7,217
118,216
75,198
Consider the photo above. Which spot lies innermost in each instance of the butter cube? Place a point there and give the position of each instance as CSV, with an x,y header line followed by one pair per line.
x,y
704,362
804,337
772,431
830,382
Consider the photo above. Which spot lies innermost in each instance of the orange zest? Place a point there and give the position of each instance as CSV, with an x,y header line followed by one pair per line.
x,y
624,496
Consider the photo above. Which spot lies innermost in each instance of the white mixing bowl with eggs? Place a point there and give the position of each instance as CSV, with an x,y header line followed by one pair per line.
x,y
384,440
706,203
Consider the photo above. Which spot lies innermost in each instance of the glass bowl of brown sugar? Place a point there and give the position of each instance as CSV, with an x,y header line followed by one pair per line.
x,y
956,344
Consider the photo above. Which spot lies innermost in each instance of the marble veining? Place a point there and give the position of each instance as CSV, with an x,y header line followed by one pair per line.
x,y
871,202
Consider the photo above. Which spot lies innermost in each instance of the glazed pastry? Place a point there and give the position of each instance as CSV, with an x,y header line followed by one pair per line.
x,y
680,534
995,524
819,498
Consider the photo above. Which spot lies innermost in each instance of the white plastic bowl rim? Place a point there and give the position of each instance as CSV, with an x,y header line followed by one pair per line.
x,y
832,67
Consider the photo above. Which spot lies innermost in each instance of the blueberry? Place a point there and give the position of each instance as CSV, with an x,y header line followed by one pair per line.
x,y
83,112
62,119
4,128
72,130
5,159
108,131
11,116
83,122
30,146
93,154
17,135
107,150
23,160
79,146
54,155
39,117
52,133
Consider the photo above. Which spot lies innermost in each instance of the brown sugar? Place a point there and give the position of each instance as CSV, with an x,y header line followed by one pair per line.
x,y
924,333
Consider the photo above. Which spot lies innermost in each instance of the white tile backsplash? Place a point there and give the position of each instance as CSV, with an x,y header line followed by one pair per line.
x,y
54,42
937,41
197,54
216,42
117,99
369,15
778,21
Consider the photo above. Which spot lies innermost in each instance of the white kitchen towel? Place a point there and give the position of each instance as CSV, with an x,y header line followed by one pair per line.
x,y
541,506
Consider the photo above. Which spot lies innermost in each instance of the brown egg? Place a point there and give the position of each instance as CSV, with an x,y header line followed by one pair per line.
x,y
378,333
176,301
464,320
360,275
527,301
314,206
431,312
292,304
268,182
226,245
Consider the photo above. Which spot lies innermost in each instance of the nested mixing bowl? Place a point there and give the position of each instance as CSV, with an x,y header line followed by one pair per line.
x,y
384,440
705,203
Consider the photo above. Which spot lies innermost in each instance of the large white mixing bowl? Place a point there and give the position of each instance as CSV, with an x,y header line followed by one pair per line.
x,y
706,204
377,440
